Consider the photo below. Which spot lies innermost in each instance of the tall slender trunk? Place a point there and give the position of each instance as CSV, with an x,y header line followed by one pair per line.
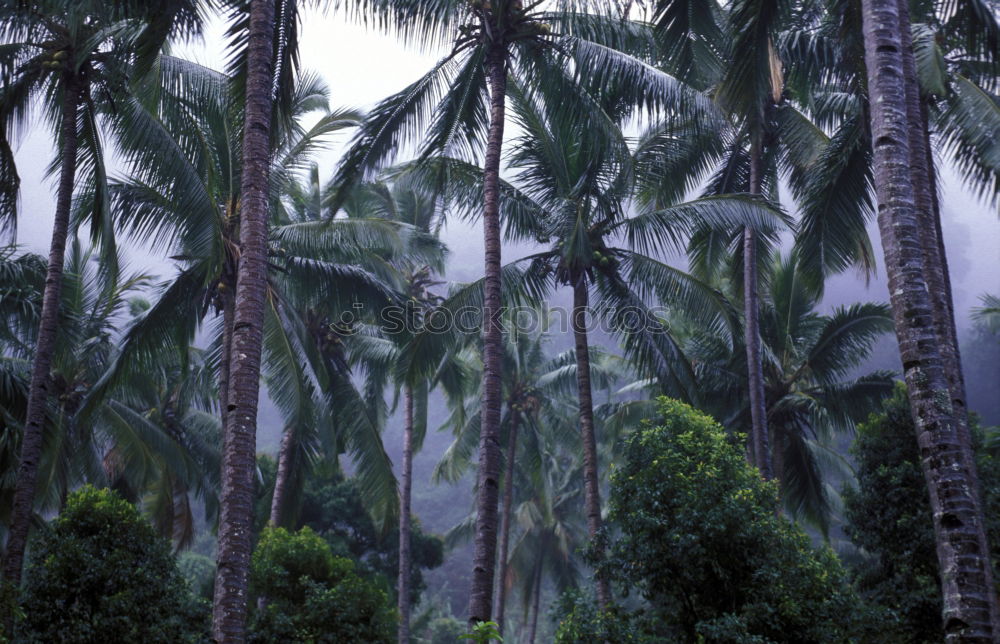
x,y
535,601
592,493
508,504
924,181
38,394
485,540
229,609
958,524
286,463
760,442
405,489
279,496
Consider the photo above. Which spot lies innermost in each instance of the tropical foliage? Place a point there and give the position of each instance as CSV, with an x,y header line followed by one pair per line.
x,y
888,503
646,393
695,517
313,596
103,573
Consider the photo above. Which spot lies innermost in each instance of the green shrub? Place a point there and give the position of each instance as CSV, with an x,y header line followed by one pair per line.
x,y
102,574
580,621
701,542
333,508
313,596
483,633
444,630
888,515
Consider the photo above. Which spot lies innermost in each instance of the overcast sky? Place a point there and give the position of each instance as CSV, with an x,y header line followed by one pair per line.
x,y
362,66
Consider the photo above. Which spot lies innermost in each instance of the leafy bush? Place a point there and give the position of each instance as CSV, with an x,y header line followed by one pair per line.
x,y
483,633
444,630
888,514
580,621
701,541
102,574
313,596
332,506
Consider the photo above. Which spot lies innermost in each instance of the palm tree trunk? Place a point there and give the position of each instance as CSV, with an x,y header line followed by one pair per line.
x,y
286,456
487,493
592,494
508,504
279,496
958,524
38,394
229,607
406,487
535,601
924,180
761,449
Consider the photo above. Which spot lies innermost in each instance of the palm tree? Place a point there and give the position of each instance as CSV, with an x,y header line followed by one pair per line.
x,y
73,55
811,391
953,51
550,532
924,181
536,401
315,352
460,106
989,312
187,200
955,61
958,522
784,74
22,279
239,432
379,351
574,182
164,443
747,85
489,35
543,476
411,205
190,198
148,438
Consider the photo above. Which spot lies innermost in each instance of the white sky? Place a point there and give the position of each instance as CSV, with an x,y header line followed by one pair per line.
x,y
361,66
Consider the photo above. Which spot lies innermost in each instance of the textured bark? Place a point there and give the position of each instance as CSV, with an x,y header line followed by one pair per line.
x,y
38,394
929,223
759,439
535,601
505,517
928,214
286,458
487,492
592,494
958,525
229,609
405,489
